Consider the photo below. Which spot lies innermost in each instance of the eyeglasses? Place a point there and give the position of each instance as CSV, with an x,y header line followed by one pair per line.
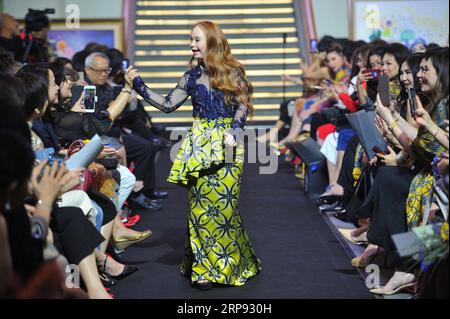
x,y
107,71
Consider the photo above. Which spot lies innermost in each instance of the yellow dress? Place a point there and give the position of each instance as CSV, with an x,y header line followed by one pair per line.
x,y
218,247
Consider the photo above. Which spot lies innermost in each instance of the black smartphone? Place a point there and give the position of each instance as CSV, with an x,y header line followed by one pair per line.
x,y
125,64
313,46
77,90
412,102
383,90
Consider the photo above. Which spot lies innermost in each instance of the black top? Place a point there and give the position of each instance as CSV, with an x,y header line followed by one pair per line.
x,y
14,46
47,133
71,126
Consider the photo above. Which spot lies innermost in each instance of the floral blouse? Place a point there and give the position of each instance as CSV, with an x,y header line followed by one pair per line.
x,y
36,142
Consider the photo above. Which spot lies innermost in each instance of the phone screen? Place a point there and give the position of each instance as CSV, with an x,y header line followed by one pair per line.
x,y
125,64
313,45
89,99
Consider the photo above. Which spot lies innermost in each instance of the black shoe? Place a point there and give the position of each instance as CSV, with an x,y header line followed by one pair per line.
x,y
114,253
127,271
142,202
106,280
334,207
157,195
342,215
328,199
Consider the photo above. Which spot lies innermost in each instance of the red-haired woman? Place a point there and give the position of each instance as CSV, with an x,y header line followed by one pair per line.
x,y
218,249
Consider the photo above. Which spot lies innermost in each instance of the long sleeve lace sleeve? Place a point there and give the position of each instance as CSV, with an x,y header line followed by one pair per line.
x,y
240,117
168,103
241,113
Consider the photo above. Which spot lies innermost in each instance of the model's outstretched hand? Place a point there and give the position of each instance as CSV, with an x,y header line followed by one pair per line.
x,y
131,74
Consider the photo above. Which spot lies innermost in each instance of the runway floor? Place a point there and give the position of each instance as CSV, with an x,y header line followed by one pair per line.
x,y
301,257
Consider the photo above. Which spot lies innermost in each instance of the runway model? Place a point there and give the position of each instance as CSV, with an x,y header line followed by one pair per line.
x,y
210,160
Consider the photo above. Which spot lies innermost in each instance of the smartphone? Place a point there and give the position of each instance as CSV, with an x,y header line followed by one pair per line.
x,y
374,73
90,98
125,64
313,46
412,102
77,90
44,154
383,90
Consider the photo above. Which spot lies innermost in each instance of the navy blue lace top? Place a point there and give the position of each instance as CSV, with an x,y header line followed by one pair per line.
x,y
207,102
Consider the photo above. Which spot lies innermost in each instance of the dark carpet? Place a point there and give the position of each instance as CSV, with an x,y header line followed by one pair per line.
x,y
301,257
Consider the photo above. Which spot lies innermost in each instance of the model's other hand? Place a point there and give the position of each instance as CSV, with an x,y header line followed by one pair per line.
x,y
230,140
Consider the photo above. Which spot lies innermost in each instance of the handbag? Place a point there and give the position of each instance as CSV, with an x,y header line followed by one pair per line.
x,y
86,179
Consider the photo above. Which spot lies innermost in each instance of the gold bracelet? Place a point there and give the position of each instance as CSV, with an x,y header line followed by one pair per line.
x,y
126,91
393,125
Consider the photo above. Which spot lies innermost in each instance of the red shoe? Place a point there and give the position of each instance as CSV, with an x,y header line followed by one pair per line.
x,y
129,224
296,161
134,218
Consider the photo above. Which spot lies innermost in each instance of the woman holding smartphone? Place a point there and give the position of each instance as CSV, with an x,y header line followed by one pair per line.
x,y
218,249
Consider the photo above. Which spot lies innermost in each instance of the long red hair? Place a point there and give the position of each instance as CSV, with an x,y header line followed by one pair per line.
x,y
227,74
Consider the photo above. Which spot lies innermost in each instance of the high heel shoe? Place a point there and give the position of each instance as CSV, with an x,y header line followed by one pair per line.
x,y
381,291
409,281
106,280
328,199
127,271
360,262
122,242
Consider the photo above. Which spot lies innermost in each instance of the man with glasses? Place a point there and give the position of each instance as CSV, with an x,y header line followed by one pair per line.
x,y
139,150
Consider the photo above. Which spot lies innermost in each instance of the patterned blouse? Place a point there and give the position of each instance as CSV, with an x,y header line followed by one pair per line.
x,y
36,142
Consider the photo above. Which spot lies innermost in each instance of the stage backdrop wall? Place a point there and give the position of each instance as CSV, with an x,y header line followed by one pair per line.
x,y
89,9
402,20
331,18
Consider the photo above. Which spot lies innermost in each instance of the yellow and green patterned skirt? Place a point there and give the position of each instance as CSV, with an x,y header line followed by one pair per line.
x,y
218,247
